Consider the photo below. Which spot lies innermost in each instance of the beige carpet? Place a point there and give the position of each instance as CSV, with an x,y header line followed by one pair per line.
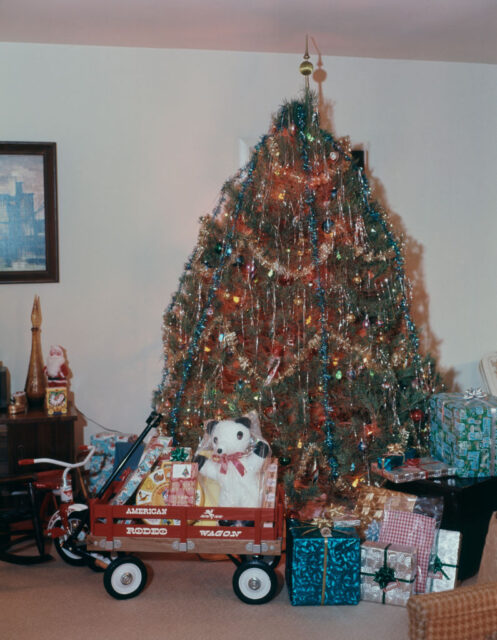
x,y
186,597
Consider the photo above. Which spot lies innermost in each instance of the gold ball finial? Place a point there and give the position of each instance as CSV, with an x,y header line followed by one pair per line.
x,y
306,67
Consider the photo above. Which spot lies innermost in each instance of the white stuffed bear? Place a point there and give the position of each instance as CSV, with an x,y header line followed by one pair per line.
x,y
236,462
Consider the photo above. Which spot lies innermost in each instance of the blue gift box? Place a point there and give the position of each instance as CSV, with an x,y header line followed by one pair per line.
x,y
463,432
322,569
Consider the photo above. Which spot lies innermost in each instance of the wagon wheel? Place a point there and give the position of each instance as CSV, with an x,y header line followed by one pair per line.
x,y
271,561
254,582
125,577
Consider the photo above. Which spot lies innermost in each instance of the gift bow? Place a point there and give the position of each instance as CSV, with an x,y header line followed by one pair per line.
x,y
385,575
413,462
334,517
224,459
474,394
395,449
179,455
438,566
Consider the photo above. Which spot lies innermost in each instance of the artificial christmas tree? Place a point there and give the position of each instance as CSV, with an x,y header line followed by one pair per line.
x,y
294,303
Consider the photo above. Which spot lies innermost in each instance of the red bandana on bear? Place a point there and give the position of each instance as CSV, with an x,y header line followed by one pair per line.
x,y
224,459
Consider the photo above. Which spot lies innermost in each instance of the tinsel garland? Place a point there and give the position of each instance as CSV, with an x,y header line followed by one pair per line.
x,y
199,328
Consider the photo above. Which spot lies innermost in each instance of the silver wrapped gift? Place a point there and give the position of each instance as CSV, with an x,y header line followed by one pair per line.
x,y
388,572
442,573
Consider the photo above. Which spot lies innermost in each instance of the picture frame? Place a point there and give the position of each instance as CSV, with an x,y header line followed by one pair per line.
x,y
28,212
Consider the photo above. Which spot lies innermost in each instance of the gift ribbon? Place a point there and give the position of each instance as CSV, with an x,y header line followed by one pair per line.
x,y
385,575
224,459
438,568
325,526
326,532
179,455
474,394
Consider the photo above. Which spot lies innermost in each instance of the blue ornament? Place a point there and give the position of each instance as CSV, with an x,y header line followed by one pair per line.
x,y
361,446
334,192
327,225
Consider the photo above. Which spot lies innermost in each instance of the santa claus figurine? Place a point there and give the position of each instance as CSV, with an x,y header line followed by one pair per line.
x,y
56,368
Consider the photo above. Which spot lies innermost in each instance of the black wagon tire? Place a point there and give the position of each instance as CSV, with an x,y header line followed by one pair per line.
x,y
255,582
125,577
76,519
271,561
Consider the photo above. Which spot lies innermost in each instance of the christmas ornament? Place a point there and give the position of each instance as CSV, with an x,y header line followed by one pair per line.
x,y
327,225
417,415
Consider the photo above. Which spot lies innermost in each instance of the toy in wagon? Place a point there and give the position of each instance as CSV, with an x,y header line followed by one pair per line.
x,y
233,455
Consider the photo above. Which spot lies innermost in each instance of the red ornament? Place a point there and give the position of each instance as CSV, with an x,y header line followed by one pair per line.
x,y
277,350
417,415
285,280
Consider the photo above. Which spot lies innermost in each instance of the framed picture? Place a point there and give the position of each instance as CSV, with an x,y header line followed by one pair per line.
x,y
28,212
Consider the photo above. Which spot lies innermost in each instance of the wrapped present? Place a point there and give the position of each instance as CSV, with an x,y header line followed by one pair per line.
x,y
269,485
102,461
154,490
462,432
412,530
150,456
388,572
466,613
390,461
415,469
183,484
442,571
270,482
325,513
371,501
372,532
322,565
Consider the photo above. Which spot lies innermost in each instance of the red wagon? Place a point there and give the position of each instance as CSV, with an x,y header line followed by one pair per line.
x,y
253,542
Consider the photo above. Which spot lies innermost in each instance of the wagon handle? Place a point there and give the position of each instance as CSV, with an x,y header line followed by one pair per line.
x,y
153,420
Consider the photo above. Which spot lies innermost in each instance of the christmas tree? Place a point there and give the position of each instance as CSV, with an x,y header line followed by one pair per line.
x,y
294,302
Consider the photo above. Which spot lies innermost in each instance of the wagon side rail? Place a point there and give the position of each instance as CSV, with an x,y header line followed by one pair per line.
x,y
189,529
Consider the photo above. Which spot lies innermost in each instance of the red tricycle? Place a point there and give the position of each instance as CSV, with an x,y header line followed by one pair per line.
x,y
50,511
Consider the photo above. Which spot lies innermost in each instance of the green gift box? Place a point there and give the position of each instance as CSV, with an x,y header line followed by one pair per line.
x,y
463,432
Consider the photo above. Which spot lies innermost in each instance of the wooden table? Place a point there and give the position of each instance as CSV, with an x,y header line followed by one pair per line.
x,y
35,434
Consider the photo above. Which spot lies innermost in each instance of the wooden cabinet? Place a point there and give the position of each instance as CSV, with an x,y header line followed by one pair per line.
x,y
35,434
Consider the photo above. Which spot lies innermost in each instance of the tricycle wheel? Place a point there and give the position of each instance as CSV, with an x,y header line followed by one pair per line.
x,y
254,582
125,577
78,522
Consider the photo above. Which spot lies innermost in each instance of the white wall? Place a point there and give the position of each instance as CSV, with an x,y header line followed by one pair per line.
x,y
145,139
